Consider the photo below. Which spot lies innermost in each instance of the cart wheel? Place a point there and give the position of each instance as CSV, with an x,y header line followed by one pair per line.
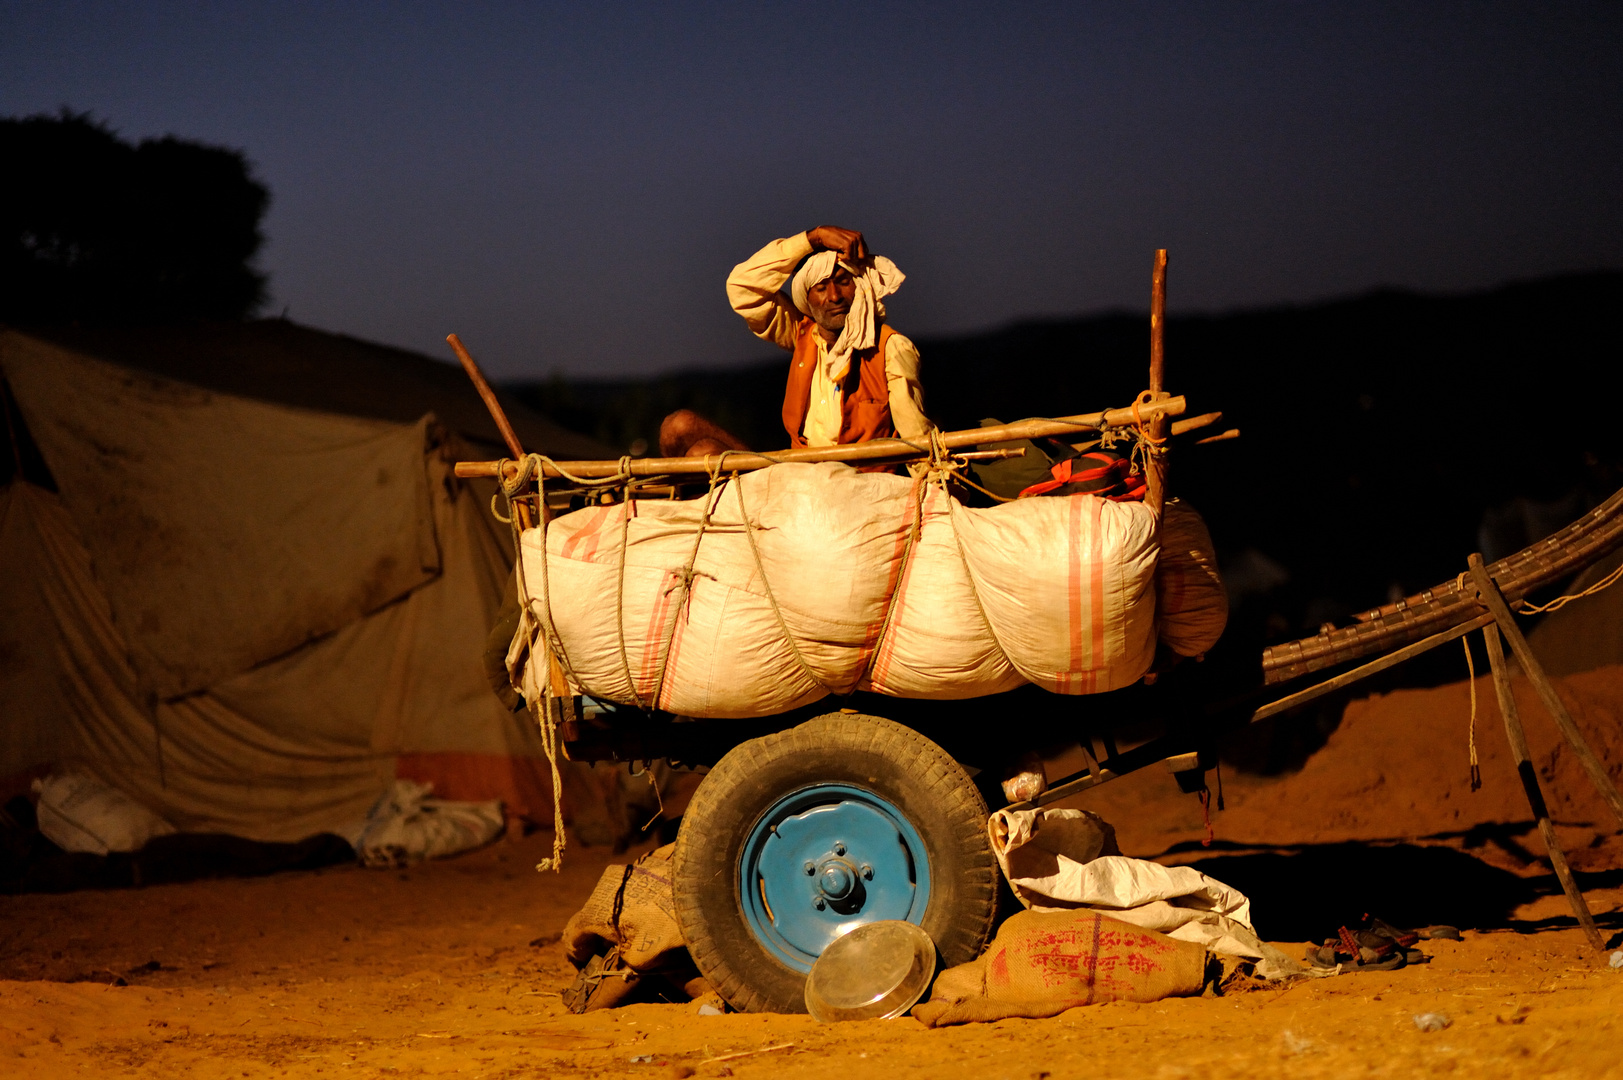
x,y
794,839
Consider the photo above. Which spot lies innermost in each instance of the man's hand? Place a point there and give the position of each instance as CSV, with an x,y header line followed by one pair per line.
x,y
832,238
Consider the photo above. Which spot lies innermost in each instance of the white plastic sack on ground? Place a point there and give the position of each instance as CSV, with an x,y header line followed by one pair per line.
x,y
77,812
852,581
1056,860
406,826
1191,605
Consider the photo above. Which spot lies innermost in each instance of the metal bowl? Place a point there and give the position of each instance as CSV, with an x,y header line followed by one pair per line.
x,y
875,972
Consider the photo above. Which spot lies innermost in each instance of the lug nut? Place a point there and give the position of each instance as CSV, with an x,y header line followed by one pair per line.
x,y
839,849
811,868
819,903
867,871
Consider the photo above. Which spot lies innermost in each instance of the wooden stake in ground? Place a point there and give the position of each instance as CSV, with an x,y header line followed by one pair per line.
x,y
1530,785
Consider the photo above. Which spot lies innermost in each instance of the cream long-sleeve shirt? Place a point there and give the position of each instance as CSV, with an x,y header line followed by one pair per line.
x,y
754,289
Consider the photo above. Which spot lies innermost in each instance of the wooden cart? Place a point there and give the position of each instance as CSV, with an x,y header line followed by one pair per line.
x,y
815,821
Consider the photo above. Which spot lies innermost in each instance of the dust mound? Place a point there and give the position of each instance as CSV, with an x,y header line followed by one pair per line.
x,y
1398,770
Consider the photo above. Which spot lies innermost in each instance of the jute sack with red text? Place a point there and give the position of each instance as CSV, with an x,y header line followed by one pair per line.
x,y
632,908
1042,964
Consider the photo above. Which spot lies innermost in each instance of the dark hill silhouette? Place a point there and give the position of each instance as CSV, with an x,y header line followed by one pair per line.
x,y
1378,430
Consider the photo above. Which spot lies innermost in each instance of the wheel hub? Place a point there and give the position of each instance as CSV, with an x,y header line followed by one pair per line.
x,y
837,879
825,860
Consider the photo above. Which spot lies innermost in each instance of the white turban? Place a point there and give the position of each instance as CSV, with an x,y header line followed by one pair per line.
x,y
876,278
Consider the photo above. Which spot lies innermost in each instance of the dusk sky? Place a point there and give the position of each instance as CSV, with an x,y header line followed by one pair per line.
x,y
566,186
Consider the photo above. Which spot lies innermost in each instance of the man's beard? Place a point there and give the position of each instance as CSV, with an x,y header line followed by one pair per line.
x,y
832,323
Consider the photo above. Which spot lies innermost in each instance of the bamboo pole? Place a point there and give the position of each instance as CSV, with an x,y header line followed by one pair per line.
x,y
1517,738
1545,562
1363,671
876,450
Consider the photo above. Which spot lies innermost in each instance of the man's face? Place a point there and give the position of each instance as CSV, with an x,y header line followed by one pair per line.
x,y
830,300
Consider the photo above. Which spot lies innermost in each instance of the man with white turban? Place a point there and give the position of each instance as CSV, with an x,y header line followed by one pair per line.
x,y
851,377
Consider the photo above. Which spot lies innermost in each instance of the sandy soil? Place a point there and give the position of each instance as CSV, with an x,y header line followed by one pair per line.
x,y
454,967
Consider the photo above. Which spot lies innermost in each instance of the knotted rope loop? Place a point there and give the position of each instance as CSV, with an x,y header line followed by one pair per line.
x,y
1145,398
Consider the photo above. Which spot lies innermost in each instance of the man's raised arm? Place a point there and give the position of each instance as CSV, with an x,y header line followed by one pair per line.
x,y
754,287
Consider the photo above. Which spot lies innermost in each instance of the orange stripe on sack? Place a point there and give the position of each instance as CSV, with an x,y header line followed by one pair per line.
x,y
589,529
648,668
601,533
1096,595
1073,592
676,647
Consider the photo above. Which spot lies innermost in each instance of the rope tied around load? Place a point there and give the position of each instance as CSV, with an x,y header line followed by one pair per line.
x,y
549,690
547,707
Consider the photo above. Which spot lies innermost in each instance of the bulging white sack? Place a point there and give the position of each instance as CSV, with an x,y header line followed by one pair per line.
x,y
1191,605
854,581
78,812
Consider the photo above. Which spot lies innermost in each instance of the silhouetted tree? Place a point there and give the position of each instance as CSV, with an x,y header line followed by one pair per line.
x,y
96,229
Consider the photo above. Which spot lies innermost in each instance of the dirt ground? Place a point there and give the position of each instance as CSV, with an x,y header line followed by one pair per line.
x,y
454,967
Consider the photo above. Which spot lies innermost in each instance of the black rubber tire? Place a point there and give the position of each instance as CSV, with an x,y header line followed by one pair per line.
x,y
896,763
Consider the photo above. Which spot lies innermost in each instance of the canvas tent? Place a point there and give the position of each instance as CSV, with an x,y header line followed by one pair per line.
x,y
249,614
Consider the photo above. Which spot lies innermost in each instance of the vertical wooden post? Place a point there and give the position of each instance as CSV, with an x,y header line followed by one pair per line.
x,y
1495,602
1155,468
555,672
1158,318
1517,738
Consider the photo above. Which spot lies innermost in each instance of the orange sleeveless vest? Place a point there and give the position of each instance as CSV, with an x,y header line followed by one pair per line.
x,y
866,404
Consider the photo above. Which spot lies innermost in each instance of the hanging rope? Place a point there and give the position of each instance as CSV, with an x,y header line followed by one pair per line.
x,y
1562,601
546,707
1470,666
547,720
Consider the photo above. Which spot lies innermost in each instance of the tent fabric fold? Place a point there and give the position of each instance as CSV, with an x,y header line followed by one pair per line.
x,y
225,532
288,712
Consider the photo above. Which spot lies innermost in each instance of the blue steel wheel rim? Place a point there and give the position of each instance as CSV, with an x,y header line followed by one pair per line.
x,y
824,860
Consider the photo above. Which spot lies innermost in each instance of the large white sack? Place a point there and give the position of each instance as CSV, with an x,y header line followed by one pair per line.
x,y
1191,605
830,540
1067,584
406,826
937,644
77,812
880,580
